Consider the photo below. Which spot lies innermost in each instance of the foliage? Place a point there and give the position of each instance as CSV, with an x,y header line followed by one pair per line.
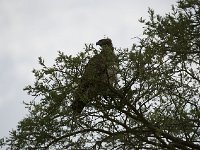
x,y
156,105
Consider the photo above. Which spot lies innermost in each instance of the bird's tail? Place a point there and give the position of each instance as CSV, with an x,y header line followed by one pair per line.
x,y
78,106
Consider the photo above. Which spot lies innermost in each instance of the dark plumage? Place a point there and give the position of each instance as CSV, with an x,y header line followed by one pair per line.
x,y
99,72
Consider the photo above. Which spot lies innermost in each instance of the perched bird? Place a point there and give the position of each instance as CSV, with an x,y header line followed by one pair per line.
x,y
100,72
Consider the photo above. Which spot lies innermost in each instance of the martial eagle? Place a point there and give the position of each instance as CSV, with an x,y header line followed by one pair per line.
x,y
100,72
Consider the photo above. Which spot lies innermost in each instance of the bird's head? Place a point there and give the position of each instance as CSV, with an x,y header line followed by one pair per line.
x,y
104,42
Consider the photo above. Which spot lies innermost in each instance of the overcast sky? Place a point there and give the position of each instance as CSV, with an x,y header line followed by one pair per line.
x,y
33,28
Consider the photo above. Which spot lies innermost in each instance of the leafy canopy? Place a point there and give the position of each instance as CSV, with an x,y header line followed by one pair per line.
x,y
156,105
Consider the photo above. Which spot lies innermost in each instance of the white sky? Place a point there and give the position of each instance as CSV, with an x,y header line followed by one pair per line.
x,y
33,28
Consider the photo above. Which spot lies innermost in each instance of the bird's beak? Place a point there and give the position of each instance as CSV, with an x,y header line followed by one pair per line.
x,y
97,43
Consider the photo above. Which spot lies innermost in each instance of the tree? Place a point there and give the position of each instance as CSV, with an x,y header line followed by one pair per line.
x,y
156,105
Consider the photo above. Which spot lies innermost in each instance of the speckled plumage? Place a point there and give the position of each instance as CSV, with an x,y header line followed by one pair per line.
x,y
100,71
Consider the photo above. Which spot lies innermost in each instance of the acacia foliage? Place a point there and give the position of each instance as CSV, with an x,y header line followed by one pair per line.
x,y
155,106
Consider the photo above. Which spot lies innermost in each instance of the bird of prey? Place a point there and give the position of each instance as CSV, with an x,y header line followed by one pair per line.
x,y
100,71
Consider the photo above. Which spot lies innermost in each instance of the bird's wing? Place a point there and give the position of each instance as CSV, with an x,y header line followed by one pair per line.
x,y
95,68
